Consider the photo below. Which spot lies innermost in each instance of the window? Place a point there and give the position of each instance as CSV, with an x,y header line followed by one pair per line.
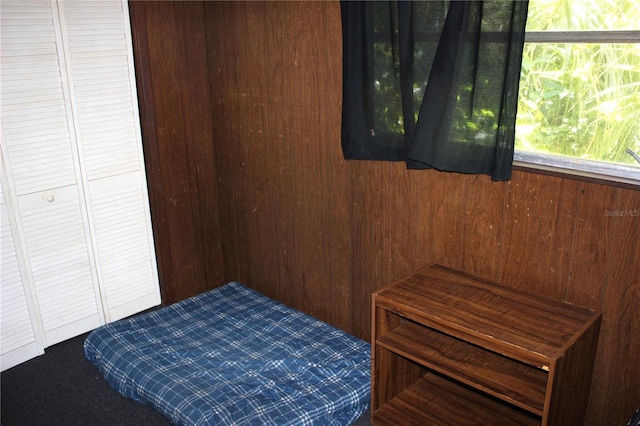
x,y
579,100
432,83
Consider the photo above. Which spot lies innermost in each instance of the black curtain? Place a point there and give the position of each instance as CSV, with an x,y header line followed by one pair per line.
x,y
433,83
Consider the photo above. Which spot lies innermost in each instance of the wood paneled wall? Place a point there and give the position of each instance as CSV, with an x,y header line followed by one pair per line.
x,y
250,184
175,107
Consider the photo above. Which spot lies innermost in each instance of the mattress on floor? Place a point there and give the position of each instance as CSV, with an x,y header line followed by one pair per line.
x,y
232,356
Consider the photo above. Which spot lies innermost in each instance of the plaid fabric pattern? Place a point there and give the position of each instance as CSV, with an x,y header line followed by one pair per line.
x,y
233,356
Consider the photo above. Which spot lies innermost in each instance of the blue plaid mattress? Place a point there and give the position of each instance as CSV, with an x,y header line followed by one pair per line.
x,y
233,356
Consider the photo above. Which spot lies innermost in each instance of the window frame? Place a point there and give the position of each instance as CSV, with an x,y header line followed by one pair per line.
x,y
574,166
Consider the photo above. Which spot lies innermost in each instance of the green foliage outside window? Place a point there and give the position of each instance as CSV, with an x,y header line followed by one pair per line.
x,y
581,99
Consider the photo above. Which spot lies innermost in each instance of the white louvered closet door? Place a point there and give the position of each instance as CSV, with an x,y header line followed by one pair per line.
x,y
99,54
42,161
72,151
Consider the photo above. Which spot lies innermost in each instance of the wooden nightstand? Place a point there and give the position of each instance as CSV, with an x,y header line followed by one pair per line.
x,y
450,348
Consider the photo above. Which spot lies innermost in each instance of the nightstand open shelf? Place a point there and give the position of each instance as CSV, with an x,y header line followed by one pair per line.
x,y
449,348
515,382
433,399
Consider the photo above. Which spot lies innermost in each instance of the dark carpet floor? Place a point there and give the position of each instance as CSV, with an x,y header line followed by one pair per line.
x,y
62,388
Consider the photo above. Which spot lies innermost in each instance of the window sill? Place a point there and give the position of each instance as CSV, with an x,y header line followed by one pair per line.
x,y
575,168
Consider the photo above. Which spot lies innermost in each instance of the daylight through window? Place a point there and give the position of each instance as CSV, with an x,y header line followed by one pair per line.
x,y
579,101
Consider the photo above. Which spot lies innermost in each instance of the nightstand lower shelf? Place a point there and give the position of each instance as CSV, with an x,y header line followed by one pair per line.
x,y
434,400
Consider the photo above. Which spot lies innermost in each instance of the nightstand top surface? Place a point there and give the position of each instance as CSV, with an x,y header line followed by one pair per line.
x,y
487,313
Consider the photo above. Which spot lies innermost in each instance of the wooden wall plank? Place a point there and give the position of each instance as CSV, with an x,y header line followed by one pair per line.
x,y
221,67
484,224
294,120
370,238
336,230
151,151
591,247
176,50
616,391
297,116
447,193
409,238
267,190
539,224
245,159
